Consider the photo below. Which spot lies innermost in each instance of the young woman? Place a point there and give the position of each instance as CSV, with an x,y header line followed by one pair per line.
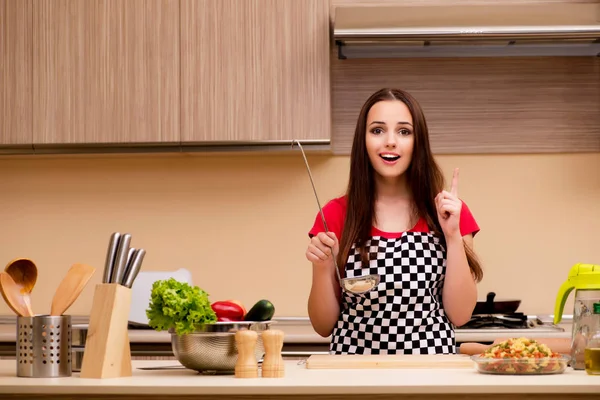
x,y
396,221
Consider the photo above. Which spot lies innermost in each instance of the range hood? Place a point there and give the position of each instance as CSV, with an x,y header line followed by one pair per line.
x,y
544,29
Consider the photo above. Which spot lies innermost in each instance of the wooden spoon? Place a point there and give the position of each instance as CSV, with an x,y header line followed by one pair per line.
x,y
24,273
6,298
70,288
11,292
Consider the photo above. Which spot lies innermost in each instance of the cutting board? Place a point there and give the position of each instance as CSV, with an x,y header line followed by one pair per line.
x,y
375,361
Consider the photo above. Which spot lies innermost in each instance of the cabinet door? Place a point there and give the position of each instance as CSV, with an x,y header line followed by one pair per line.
x,y
255,70
15,72
106,71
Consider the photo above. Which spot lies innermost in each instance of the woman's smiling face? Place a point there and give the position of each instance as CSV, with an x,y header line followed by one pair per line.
x,y
390,138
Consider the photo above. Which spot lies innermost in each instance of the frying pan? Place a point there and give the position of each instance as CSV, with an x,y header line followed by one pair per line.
x,y
489,306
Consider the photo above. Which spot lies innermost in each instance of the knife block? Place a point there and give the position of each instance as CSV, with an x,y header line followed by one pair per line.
x,y
107,353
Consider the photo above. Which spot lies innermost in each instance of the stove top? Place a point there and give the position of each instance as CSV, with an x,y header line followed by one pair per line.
x,y
486,328
505,321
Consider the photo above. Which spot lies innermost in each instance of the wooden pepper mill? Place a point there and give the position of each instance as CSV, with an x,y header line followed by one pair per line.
x,y
246,365
273,366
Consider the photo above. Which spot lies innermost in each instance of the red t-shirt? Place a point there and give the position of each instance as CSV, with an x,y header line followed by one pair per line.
x,y
335,214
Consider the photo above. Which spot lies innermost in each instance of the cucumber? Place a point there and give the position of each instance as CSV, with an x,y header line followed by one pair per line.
x,y
263,310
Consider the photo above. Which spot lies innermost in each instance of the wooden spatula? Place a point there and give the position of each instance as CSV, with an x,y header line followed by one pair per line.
x,y
70,288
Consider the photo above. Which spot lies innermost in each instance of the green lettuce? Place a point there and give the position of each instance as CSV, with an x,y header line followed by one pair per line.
x,y
179,306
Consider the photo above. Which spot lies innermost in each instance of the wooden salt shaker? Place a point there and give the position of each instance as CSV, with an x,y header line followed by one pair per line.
x,y
273,366
246,365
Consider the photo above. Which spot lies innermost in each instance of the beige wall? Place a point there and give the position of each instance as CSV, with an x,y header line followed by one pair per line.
x,y
239,222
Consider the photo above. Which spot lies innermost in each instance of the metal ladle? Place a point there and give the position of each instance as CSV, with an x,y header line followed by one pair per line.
x,y
359,284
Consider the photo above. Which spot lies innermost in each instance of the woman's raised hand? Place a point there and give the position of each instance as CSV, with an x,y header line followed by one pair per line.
x,y
319,250
448,208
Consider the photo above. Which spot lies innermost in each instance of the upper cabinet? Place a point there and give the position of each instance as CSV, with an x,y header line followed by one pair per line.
x,y
15,72
137,72
105,71
255,70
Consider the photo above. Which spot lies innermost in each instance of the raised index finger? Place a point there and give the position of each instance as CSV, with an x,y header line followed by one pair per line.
x,y
454,187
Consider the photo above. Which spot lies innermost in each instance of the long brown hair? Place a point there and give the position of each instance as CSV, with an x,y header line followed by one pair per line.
x,y
425,180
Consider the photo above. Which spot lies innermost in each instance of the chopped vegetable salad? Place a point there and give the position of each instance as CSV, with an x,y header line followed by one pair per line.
x,y
520,356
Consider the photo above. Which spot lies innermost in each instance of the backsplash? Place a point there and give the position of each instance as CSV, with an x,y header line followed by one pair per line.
x,y
239,222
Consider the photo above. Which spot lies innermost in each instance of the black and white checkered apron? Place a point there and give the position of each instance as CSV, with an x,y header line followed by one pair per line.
x,y
404,314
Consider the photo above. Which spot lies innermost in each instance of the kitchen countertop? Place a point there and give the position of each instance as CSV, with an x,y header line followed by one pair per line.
x,y
414,383
298,330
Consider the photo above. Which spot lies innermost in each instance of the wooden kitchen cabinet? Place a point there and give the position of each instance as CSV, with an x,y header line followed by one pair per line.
x,y
105,71
255,70
15,72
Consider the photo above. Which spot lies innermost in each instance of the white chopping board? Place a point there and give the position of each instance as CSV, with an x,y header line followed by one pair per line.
x,y
374,361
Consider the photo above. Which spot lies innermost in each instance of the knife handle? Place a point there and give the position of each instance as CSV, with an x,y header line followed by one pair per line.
x,y
119,267
130,255
136,265
111,254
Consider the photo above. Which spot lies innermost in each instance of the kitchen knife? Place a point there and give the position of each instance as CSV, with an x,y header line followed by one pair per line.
x,y
121,259
130,255
111,254
136,265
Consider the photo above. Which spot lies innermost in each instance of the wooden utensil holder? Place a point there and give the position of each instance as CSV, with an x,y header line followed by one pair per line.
x,y
107,352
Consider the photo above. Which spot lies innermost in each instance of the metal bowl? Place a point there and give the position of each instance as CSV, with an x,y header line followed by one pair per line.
x,y
212,349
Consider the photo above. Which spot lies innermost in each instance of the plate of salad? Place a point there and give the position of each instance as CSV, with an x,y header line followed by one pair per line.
x,y
520,356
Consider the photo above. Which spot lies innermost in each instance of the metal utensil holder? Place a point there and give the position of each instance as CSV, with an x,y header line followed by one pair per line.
x,y
44,346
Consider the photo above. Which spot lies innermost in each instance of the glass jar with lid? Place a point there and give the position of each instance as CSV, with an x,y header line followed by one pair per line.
x,y
592,347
